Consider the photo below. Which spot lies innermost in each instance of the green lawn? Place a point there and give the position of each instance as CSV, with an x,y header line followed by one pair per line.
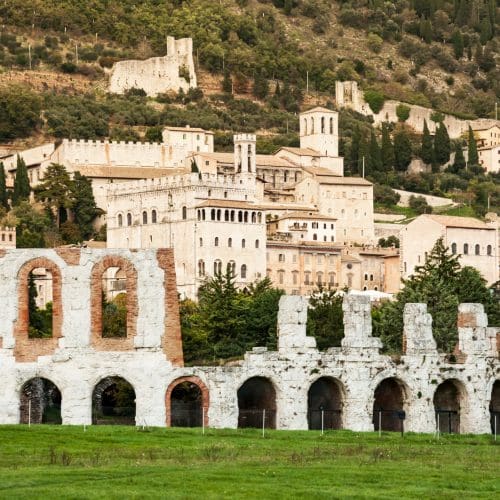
x,y
124,462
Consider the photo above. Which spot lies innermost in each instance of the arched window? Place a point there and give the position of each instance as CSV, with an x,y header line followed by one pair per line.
x,y
331,125
371,277
453,248
477,250
230,242
243,243
120,220
243,272
466,249
232,215
245,219
201,268
216,241
305,126
212,214
322,124
256,243
240,216
153,216
488,250
315,236
144,217
366,277
203,214
198,213
184,213
226,215
217,267
219,214
259,217
231,267
201,242
129,219
254,218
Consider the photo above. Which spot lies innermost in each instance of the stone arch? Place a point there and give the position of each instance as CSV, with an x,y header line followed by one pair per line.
x,y
28,349
450,398
391,397
113,402
40,402
255,395
495,407
195,409
325,400
113,344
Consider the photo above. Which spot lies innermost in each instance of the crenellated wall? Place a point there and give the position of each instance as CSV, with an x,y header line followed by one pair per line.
x,y
76,359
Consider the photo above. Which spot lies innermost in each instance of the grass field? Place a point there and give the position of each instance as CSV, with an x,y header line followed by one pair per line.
x,y
124,462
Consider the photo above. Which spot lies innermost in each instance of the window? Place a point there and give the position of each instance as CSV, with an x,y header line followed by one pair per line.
x,y
154,217
477,250
218,214
243,272
129,219
243,243
246,217
454,248
232,215
320,260
281,257
315,236
256,243
331,278
226,215
488,250
466,249
216,241
120,220
295,277
307,278
201,242
231,267
212,214
319,278
371,277
201,268
144,217
240,216
259,217
294,258
366,277
254,217
281,277
230,242
217,267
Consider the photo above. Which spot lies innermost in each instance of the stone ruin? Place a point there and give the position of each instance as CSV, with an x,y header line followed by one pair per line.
x,y
296,387
158,74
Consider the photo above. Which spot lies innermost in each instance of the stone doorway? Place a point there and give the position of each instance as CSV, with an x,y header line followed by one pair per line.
x,y
187,403
113,402
257,404
324,404
40,402
495,407
448,400
389,405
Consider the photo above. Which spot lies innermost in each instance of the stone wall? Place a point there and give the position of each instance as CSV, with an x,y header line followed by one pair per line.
x,y
158,74
153,363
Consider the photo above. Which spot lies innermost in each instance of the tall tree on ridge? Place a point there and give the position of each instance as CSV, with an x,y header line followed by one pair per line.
x,y
22,187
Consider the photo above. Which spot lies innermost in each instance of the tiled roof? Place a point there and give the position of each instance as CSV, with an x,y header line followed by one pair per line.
x,y
465,222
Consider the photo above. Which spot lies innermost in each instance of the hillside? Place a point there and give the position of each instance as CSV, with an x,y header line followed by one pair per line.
x,y
258,64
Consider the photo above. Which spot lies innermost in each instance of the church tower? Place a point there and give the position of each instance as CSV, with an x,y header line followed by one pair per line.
x,y
245,153
319,130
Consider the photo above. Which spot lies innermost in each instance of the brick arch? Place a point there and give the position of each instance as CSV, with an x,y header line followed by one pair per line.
x,y
205,396
112,344
27,350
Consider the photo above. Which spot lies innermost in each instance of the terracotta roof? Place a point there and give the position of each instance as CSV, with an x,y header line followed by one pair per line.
x,y
188,129
301,151
349,258
301,215
228,204
484,124
318,108
487,148
261,160
317,245
465,222
115,172
345,181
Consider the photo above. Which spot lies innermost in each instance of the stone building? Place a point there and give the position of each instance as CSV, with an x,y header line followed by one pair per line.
x,y
351,387
476,243
158,74
7,237
489,158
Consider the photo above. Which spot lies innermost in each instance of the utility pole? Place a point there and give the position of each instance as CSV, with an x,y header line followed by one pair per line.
x,y
307,82
363,167
29,54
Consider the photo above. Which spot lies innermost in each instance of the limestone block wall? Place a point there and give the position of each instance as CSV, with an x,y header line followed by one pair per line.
x,y
76,359
158,74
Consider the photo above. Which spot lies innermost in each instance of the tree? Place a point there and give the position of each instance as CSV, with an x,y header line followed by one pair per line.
x,y
426,149
403,112
459,162
19,112
325,318
31,226
402,150
55,191
419,204
83,204
425,30
355,147
375,153
22,188
390,241
384,195
442,146
4,199
458,43
260,86
473,157
227,83
387,149
486,30
375,100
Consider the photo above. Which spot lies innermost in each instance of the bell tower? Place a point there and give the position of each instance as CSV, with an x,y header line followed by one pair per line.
x,y
319,130
245,153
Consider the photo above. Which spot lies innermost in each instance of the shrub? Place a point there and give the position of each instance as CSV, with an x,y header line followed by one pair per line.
x,y
384,195
403,112
375,43
375,100
420,205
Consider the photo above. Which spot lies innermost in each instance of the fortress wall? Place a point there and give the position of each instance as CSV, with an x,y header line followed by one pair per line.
x,y
76,364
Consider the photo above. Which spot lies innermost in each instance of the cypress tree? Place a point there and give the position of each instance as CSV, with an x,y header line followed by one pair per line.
x,y
462,12
458,44
402,150
459,163
355,146
22,188
375,154
364,156
426,150
426,30
4,201
227,83
387,150
473,158
84,206
442,146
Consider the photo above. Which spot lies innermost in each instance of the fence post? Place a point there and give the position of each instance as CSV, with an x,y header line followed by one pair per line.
x,y
495,426
263,423
438,428
380,423
203,420
322,421
29,412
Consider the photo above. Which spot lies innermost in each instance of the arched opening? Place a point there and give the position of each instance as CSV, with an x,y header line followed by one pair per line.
x,y
153,216
113,402
447,403
40,303
257,403
144,217
324,404
114,303
40,402
495,407
187,403
389,405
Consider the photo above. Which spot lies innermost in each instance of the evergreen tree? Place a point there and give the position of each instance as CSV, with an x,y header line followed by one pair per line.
x,y
459,163
227,83
354,151
364,166
402,150
486,31
22,188
473,157
83,206
442,145
287,7
425,30
260,86
4,199
387,149
426,149
458,43
375,154
462,12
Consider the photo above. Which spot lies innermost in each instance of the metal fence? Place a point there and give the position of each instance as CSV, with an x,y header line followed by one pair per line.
x,y
262,418
389,420
448,421
114,415
324,419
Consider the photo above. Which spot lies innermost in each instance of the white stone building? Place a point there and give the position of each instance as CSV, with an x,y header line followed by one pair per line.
x,y
7,237
475,241
489,158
